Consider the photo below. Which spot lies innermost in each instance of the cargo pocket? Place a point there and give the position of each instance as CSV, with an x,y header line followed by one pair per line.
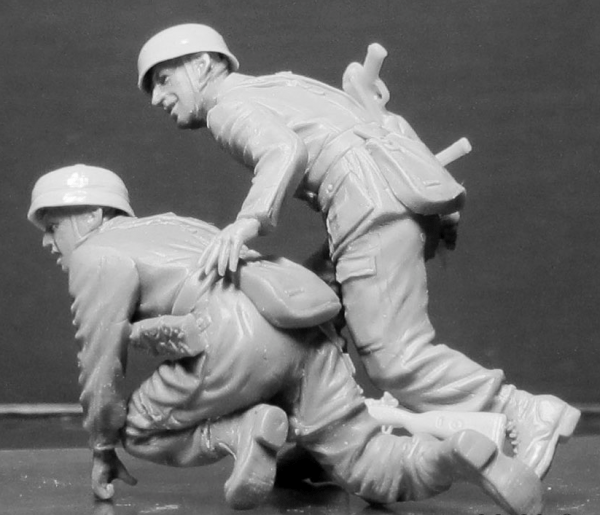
x,y
355,268
362,299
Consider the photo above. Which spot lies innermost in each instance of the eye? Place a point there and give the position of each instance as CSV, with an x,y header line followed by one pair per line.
x,y
51,229
161,79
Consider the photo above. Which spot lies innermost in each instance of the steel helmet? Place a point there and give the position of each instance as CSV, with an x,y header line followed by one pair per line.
x,y
178,41
78,185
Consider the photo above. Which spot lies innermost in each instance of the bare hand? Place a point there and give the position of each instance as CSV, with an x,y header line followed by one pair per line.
x,y
223,252
106,467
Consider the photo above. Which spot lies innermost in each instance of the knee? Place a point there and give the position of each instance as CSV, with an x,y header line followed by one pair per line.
x,y
386,373
134,439
396,360
381,378
145,445
138,429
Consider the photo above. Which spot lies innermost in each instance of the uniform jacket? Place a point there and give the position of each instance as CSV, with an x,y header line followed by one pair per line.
x,y
290,130
133,269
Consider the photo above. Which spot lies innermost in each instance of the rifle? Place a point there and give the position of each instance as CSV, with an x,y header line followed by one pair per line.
x,y
441,424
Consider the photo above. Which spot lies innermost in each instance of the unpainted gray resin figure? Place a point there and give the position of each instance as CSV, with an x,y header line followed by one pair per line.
x,y
248,366
387,203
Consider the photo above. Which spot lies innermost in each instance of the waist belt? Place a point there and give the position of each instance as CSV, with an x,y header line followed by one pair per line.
x,y
333,151
414,175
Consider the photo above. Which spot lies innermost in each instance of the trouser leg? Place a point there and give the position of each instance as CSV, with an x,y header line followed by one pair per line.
x,y
189,447
153,434
159,428
252,437
331,421
384,290
381,468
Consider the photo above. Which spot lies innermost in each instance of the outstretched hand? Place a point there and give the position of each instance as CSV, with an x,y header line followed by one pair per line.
x,y
223,252
106,467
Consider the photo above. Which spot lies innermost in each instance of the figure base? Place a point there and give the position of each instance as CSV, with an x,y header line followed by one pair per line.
x,y
56,481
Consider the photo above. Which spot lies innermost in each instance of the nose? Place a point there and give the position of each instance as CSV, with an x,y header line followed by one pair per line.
x,y
157,95
48,241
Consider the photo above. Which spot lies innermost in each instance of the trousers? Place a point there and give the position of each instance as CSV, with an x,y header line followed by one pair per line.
x,y
168,423
378,250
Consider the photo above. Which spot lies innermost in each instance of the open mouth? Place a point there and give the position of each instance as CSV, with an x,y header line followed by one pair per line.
x,y
169,108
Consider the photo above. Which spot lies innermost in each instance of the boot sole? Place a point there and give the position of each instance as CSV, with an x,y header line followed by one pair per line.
x,y
510,483
254,471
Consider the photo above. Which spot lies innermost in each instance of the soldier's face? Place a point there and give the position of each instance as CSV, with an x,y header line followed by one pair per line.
x,y
172,89
63,230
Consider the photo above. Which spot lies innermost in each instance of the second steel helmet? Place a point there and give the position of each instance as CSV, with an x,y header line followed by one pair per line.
x,y
178,41
78,185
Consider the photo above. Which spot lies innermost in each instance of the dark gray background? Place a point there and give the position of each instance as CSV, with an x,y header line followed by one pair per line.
x,y
518,78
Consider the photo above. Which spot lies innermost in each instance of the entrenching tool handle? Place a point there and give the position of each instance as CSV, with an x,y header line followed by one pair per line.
x,y
458,149
362,82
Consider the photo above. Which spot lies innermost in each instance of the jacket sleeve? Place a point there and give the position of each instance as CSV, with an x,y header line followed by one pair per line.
x,y
105,289
261,140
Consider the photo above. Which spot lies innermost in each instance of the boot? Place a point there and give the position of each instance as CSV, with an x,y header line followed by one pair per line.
x,y
470,456
538,422
253,439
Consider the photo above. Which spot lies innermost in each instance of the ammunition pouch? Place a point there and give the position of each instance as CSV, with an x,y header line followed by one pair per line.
x,y
287,294
415,176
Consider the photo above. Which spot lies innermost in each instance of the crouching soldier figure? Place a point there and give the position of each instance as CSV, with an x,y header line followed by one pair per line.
x,y
250,362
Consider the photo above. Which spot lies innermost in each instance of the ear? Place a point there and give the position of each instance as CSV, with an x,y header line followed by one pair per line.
x,y
94,218
202,62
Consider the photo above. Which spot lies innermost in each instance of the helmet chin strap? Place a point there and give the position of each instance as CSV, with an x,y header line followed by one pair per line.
x,y
199,78
75,224
202,71
75,227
